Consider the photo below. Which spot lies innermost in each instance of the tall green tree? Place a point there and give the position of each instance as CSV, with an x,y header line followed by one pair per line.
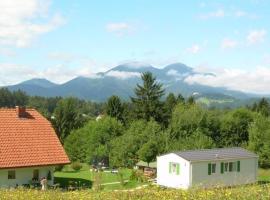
x,y
234,127
92,142
66,117
148,102
114,108
259,139
148,152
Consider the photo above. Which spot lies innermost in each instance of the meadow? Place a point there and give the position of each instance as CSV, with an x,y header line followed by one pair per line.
x,y
250,192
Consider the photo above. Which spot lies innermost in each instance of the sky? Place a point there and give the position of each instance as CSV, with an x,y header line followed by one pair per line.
x,y
61,39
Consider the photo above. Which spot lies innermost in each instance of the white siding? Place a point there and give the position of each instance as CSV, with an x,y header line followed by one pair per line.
x,y
247,174
165,178
23,176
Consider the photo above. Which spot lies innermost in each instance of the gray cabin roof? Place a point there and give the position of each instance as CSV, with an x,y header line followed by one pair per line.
x,y
216,154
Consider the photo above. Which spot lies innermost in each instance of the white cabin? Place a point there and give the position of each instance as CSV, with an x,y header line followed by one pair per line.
x,y
207,168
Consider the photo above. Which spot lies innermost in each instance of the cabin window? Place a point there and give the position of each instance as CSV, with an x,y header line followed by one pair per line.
x,y
213,168
174,168
12,174
231,166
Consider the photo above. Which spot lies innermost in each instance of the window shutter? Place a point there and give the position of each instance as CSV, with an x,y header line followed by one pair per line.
x,y
222,167
177,169
238,166
170,167
209,168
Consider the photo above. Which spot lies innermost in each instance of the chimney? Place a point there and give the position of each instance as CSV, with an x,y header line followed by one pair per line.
x,y
21,112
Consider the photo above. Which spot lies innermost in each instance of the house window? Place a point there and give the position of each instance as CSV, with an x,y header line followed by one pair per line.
x,y
213,167
231,166
35,174
12,174
174,168
226,167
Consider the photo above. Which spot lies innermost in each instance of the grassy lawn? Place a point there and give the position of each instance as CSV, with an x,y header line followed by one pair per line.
x,y
85,177
264,175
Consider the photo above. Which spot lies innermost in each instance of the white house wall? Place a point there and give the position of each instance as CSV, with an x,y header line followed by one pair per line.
x,y
247,174
23,176
164,178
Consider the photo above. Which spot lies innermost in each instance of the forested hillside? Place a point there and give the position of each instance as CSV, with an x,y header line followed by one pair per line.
x,y
148,125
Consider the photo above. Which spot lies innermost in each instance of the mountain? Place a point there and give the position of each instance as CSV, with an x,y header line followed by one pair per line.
x,y
121,81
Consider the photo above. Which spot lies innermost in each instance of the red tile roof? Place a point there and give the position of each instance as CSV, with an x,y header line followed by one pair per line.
x,y
28,141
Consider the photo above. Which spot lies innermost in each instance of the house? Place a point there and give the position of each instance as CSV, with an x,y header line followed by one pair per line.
x,y
149,169
207,168
29,148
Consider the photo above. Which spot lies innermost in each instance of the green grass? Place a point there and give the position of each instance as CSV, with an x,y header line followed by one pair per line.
x,y
264,175
85,177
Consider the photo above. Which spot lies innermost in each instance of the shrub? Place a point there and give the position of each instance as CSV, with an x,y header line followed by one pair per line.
x,y
76,166
58,168
137,175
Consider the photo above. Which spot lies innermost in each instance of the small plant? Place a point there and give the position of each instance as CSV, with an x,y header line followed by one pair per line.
x,y
137,175
97,181
76,166
121,177
58,168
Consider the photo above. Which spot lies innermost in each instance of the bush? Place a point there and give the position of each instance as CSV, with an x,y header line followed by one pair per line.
x,y
137,175
58,168
76,166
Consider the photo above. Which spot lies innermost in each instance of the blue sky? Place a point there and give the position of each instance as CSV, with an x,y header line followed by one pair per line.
x,y
61,39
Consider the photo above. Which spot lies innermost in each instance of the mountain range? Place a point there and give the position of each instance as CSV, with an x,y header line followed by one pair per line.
x,y
122,79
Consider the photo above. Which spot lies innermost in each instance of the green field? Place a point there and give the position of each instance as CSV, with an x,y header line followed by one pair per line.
x,y
85,178
251,192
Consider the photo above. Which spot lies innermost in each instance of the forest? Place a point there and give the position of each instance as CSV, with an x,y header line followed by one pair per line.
x,y
148,125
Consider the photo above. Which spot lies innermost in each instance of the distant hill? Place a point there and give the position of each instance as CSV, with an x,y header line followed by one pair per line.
x,y
121,81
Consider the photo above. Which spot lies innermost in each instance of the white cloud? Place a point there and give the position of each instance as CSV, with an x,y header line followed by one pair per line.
x,y
120,28
228,43
255,81
7,52
215,14
256,36
122,74
13,73
194,49
18,21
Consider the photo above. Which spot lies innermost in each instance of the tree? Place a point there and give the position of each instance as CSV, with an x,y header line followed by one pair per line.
x,y
198,140
185,120
180,99
259,139
148,152
234,127
6,98
263,107
191,100
20,98
92,142
148,99
125,148
67,117
114,107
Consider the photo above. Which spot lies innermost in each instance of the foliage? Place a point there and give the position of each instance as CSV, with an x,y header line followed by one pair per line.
x,y
148,102
234,127
259,139
125,148
148,151
91,143
76,166
66,117
114,108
